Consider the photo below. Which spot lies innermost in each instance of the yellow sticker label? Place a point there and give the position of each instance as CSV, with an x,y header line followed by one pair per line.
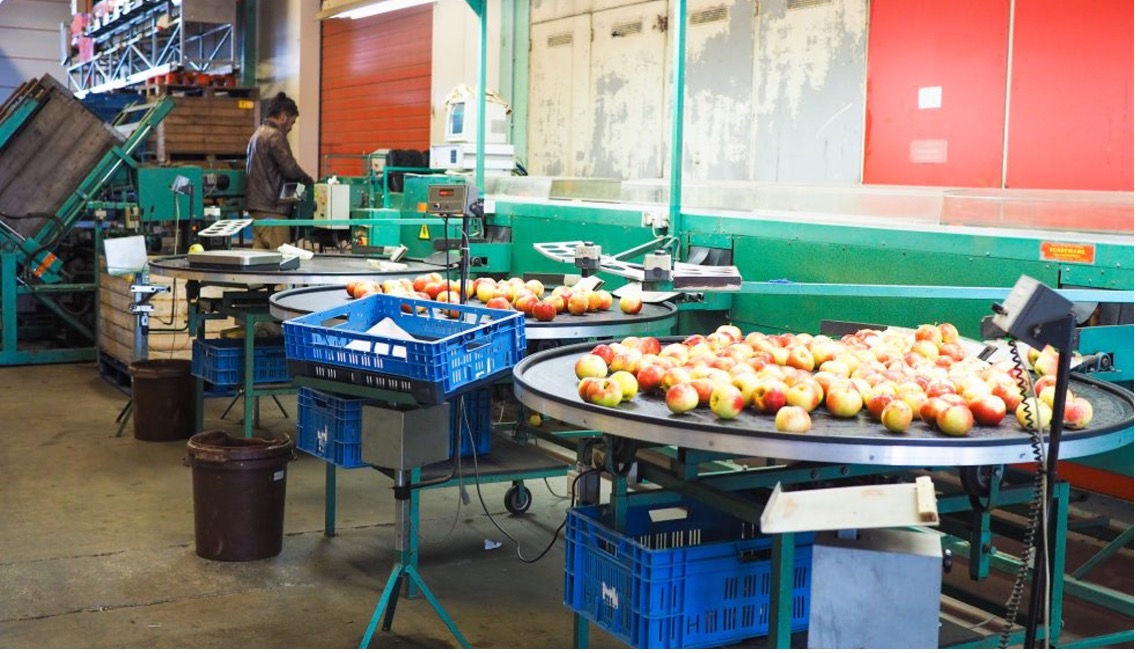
x,y
244,104
424,233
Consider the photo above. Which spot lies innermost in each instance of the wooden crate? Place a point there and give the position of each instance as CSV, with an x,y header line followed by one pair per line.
x,y
117,326
206,127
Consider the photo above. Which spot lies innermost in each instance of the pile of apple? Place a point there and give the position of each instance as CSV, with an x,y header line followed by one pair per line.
x,y
895,376
529,297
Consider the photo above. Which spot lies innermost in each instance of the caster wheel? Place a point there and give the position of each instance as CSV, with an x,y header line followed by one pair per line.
x,y
518,499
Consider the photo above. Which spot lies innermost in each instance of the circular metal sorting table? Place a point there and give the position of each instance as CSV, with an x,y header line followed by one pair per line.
x,y
320,269
653,319
546,382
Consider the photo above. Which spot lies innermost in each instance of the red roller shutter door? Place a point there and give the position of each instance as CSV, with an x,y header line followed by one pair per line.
x,y
375,86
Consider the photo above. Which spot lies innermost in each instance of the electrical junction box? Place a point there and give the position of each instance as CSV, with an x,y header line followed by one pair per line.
x,y
333,202
464,156
450,199
880,589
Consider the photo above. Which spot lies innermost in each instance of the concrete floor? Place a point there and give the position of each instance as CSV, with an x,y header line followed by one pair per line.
x,y
97,545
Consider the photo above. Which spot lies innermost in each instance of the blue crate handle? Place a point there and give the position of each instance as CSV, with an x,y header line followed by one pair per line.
x,y
475,345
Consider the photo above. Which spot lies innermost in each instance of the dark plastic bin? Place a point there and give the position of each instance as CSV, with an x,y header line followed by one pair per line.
x,y
239,495
162,399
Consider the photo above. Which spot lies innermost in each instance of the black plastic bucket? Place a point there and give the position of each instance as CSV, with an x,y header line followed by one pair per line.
x,y
239,495
162,399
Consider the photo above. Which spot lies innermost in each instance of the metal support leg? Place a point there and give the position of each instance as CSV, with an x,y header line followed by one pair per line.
x,y
124,417
580,631
782,589
405,569
329,499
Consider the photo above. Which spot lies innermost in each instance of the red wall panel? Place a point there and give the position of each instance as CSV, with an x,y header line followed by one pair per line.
x,y
959,46
1072,106
375,85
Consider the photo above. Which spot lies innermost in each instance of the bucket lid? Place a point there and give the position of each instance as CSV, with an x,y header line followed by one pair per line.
x,y
159,368
220,447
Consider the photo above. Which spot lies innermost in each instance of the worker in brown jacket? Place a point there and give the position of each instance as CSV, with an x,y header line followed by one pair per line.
x,y
269,164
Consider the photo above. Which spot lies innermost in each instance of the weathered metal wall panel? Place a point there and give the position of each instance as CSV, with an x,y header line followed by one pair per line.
x,y
774,93
809,92
629,55
560,104
719,123
546,10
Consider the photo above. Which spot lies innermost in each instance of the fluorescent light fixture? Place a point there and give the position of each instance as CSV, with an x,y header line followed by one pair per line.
x,y
369,8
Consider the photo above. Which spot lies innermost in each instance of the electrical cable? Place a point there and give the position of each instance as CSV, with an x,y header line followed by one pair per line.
x,y
486,510
1035,508
458,504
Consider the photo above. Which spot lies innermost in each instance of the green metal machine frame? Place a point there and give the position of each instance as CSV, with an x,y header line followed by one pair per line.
x,y
28,265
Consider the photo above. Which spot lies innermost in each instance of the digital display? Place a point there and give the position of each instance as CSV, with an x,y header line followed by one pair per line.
x,y
446,192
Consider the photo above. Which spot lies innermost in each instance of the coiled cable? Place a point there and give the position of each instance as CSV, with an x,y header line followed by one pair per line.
x,y
1035,506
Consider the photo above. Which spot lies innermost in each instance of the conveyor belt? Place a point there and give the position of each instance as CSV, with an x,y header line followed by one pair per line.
x,y
654,319
545,382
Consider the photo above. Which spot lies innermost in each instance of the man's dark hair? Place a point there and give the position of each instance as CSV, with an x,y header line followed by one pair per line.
x,y
281,103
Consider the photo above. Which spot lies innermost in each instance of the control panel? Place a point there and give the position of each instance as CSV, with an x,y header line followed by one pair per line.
x,y
450,199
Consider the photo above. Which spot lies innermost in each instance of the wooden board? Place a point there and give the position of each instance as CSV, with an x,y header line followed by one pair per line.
x,y
206,126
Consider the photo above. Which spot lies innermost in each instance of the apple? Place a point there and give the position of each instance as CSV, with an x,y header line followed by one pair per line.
x,y
843,400
605,351
500,303
930,333
1047,396
1046,365
955,421
915,399
585,387
731,330
726,401
628,360
544,311
948,332
628,384
877,402
650,376
988,410
747,384
769,395
591,365
578,303
606,300
938,388
650,345
800,358
804,395
1010,394
1078,413
677,351
1033,414
836,367
897,416
1042,382
681,398
631,304
954,350
594,299
926,348
435,287
605,392
525,303
535,287
420,283
792,419
931,410
703,388
675,376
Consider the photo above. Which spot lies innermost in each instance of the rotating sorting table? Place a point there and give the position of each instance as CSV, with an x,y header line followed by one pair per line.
x,y
546,382
249,305
654,319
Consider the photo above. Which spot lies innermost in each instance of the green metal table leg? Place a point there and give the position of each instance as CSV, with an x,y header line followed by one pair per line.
x,y
8,342
329,499
782,586
580,631
250,403
1059,557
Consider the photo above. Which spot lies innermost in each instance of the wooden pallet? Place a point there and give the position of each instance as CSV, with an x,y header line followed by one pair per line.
x,y
206,128
193,90
117,325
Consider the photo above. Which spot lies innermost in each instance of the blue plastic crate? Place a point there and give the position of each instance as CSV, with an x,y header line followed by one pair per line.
x,y
654,588
221,361
328,426
448,355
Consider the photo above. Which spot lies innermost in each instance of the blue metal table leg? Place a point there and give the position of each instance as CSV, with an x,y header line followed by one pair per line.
x,y
329,499
782,585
